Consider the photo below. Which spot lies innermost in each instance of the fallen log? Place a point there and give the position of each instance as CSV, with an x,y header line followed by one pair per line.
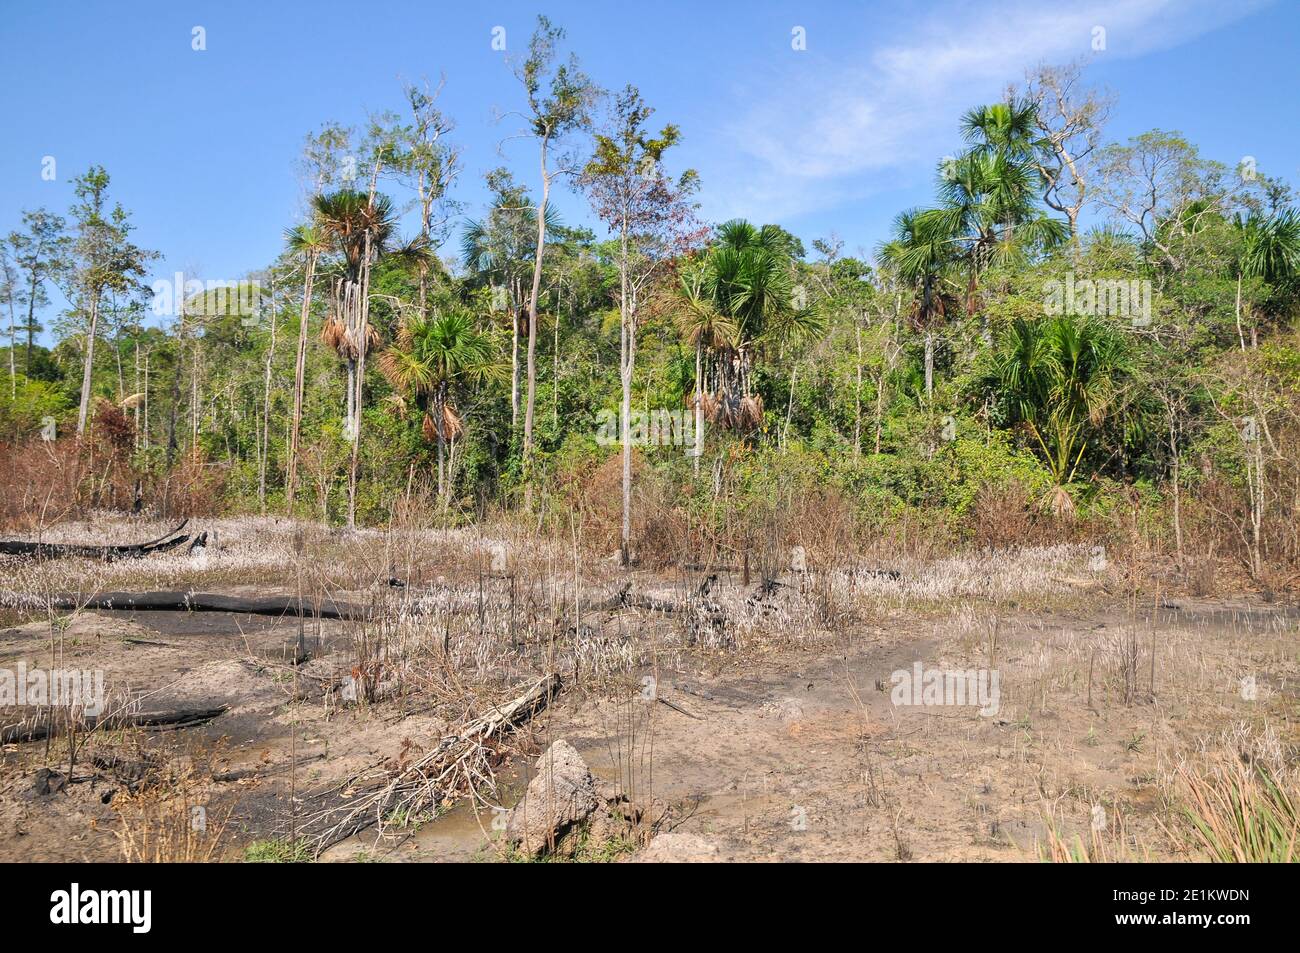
x,y
168,601
28,550
39,727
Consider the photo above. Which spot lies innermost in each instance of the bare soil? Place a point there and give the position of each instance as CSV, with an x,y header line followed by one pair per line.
x,y
772,736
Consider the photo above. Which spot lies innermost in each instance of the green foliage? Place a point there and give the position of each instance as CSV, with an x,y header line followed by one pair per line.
x,y
26,404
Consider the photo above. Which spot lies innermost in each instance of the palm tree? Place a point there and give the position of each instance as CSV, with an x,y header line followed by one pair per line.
x,y
1270,251
1060,378
989,209
429,357
308,241
705,328
923,255
361,229
1009,128
747,281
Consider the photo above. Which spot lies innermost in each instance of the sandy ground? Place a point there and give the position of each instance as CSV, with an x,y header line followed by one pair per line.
x,y
776,736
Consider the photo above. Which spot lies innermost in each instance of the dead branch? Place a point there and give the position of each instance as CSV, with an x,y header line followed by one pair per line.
x,y
458,765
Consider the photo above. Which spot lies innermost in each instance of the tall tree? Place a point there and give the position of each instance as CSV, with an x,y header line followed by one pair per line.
x,y
989,195
499,249
41,253
650,215
429,164
923,256
1070,118
1159,184
560,97
309,242
362,230
9,289
104,259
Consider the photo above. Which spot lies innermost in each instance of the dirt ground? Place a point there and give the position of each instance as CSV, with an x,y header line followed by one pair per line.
x,y
764,721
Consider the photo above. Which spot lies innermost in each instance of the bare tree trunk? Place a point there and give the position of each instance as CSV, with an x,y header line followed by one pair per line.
x,y
514,370
350,412
1257,510
144,433
857,395
627,353
13,344
1240,335
699,407
174,410
194,402
555,363
789,410
299,378
439,415
929,365
135,411
363,344
266,412
87,365
531,395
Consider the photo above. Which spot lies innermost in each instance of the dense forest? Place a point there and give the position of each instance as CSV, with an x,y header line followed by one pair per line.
x,y
1078,338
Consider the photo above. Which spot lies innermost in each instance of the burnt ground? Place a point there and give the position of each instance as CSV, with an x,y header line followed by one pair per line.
x,y
777,739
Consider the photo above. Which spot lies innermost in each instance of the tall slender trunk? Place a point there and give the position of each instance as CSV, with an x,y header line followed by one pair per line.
x,y
363,306
555,363
1178,496
627,356
929,365
266,412
699,407
174,408
13,345
88,364
857,395
531,394
135,389
194,402
1240,334
299,376
144,433
426,230
349,413
514,370
31,323
439,419
789,410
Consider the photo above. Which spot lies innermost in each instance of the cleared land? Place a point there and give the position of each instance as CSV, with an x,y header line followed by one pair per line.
x,y
744,721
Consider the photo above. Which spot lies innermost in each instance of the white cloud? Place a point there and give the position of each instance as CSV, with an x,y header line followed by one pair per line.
x,y
833,132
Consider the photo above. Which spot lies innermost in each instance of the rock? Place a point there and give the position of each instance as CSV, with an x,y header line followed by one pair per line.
x,y
678,848
47,782
562,794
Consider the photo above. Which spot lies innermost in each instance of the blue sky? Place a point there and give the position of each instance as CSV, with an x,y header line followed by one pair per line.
x,y
836,138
